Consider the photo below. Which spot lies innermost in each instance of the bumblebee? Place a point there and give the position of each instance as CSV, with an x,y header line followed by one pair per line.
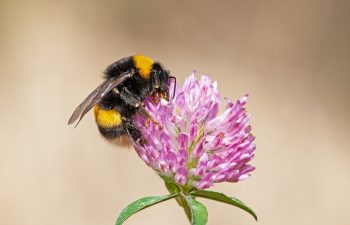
x,y
128,82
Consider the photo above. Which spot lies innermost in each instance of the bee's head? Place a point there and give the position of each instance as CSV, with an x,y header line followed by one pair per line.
x,y
161,81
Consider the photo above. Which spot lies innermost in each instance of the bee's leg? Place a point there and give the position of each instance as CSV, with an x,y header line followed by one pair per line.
x,y
129,97
135,101
143,112
134,133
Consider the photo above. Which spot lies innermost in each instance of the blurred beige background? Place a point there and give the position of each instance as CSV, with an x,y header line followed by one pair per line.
x,y
292,57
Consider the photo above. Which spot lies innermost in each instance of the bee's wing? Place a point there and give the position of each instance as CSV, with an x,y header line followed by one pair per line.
x,y
96,96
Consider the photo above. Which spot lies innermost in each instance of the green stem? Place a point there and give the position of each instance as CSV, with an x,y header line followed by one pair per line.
x,y
174,189
185,206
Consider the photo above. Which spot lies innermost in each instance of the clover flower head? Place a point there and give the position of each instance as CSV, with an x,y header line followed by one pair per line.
x,y
193,146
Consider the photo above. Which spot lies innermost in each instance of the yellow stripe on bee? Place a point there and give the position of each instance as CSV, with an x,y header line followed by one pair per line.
x,y
144,64
107,118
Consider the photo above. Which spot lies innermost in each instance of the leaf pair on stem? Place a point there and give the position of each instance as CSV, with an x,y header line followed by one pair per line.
x,y
196,212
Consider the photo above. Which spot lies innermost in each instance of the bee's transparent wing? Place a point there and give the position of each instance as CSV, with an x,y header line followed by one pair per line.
x,y
96,96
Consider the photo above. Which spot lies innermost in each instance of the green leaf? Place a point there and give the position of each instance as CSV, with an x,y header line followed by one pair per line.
x,y
141,204
199,213
220,197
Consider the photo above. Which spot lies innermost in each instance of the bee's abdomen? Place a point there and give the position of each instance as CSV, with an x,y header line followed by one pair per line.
x,y
111,126
111,132
107,118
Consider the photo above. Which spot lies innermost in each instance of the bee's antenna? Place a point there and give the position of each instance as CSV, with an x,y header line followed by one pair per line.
x,y
174,78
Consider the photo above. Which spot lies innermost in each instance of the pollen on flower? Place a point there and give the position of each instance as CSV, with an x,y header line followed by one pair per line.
x,y
194,146
147,122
